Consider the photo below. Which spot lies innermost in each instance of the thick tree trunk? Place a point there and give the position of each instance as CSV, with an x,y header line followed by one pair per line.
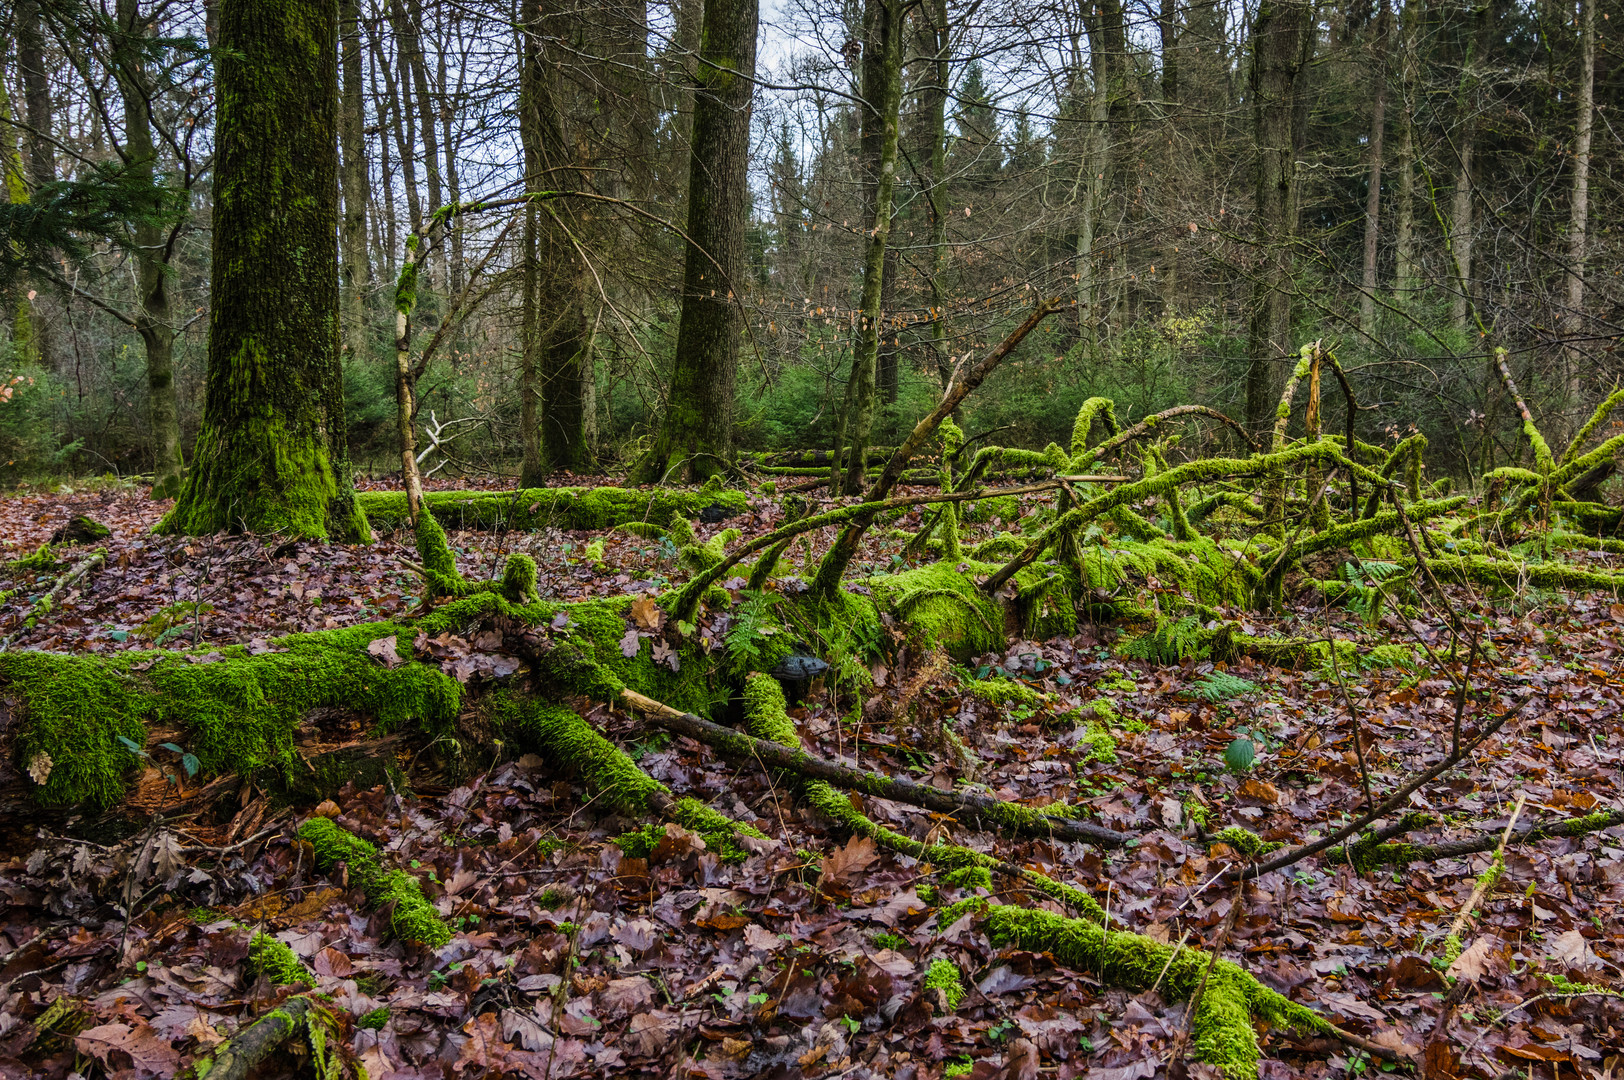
x,y
37,106
1579,208
696,435
1282,42
272,454
353,181
153,246
554,342
1373,181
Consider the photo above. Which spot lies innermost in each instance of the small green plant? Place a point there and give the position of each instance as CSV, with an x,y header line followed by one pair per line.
x,y
1364,580
1239,755
1170,642
852,1026
1218,687
888,940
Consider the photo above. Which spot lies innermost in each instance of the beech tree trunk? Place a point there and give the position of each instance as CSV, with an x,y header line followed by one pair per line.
x,y
1282,43
1405,272
272,455
696,434
153,246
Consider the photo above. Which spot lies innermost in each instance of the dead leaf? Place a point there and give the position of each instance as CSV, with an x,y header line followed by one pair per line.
x,y
732,1049
327,808
1572,949
1473,962
149,1055
647,614
623,997
630,643
858,854
386,651
39,768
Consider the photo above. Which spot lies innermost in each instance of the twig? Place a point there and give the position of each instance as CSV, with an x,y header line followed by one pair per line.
x,y
1487,881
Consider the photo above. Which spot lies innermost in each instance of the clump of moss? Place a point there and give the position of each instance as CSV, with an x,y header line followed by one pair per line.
x,y
277,962
944,976
1002,691
414,918
969,877
958,1068
43,559
1100,745
375,1020
1246,841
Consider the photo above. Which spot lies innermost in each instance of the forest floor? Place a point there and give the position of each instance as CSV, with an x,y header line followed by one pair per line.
x,y
809,958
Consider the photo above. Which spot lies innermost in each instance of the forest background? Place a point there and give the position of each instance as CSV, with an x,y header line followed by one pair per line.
x,y
1213,185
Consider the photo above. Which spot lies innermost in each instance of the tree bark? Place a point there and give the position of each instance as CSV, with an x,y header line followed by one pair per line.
x,y
1579,207
882,98
353,181
696,435
937,94
1404,265
153,247
37,105
1373,182
1282,42
1461,236
554,318
272,454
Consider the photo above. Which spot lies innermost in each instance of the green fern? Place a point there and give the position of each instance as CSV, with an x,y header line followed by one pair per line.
x,y
1171,641
1367,598
745,637
1220,686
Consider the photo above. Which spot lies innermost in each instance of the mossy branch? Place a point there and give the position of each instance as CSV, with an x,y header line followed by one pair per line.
x,y
980,811
1369,856
238,1057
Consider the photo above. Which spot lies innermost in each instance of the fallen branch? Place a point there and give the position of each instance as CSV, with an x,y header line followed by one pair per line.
x,y
236,1058
1372,852
979,810
45,603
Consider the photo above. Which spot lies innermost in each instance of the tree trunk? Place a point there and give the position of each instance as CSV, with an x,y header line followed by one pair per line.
x,y
353,181
1579,206
1460,238
408,18
1404,267
1373,189
153,245
36,93
882,96
272,454
32,332
696,435
554,320
1282,41
937,194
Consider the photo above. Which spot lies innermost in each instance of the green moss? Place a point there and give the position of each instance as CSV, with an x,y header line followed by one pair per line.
x,y
1246,841
1002,691
969,877
1222,1027
952,913
278,963
376,1020
1101,745
944,976
941,606
767,710
957,1068
412,917
43,559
